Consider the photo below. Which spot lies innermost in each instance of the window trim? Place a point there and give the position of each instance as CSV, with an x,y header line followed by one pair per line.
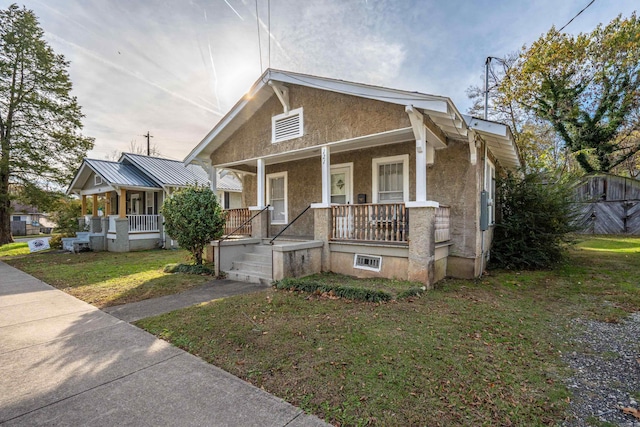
x,y
97,180
375,164
269,177
274,119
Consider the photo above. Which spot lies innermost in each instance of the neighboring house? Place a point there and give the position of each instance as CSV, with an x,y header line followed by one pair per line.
x,y
397,184
26,220
132,191
608,204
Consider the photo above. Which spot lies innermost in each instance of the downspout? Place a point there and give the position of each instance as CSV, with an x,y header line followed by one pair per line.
x,y
484,160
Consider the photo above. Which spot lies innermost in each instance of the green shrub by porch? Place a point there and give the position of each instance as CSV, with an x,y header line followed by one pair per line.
x,y
193,217
354,293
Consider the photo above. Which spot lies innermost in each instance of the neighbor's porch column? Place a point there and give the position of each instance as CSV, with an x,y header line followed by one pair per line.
x,y
260,224
107,203
84,205
94,207
325,154
94,225
322,211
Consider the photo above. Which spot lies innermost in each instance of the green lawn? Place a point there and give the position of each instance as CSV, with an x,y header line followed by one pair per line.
x,y
13,249
481,352
106,278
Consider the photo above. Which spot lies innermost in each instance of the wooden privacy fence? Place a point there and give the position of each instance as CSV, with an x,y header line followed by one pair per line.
x,y
608,204
234,219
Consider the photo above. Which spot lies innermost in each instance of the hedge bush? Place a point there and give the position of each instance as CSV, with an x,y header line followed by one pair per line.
x,y
348,292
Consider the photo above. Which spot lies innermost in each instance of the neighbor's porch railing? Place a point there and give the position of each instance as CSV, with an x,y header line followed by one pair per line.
x,y
236,218
379,222
382,222
143,223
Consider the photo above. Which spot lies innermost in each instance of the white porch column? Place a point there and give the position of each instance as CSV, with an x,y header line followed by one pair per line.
x,y
325,154
213,178
261,184
421,170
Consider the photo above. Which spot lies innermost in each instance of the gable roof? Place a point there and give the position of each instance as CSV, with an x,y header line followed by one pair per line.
x,y
167,172
440,110
120,174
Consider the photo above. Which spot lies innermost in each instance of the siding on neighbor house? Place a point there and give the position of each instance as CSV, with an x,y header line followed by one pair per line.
x,y
328,117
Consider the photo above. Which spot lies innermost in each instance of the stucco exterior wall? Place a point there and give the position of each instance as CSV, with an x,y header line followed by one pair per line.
x,y
328,117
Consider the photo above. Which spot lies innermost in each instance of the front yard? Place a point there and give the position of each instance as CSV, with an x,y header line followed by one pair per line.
x,y
480,352
105,278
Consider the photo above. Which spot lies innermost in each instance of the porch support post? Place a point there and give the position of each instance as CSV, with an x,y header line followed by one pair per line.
x,y
94,207
422,246
322,222
260,184
122,208
325,154
420,133
213,178
107,204
84,205
121,243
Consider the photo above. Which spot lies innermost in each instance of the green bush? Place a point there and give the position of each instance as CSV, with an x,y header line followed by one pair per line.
x,y
348,292
534,222
193,217
56,240
411,292
65,214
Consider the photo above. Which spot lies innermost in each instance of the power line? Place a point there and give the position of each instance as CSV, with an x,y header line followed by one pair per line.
x,y
259,44
577,14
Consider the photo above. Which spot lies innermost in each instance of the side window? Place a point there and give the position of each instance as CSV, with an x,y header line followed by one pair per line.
x,y
390,179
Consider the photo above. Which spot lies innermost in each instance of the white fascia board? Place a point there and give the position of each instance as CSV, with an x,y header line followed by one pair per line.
x,y
393,96
486,126
81,171
101,190
226,120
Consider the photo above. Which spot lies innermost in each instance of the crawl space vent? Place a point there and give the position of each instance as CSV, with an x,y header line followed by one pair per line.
x,y
367,262
287,126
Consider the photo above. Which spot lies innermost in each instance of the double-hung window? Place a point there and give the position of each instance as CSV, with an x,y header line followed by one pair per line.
x,y
277,197
391,179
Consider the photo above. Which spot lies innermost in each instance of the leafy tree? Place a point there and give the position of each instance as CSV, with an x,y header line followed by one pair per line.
x,y
533,223
194,218
40,122
65,214
586,87
540,149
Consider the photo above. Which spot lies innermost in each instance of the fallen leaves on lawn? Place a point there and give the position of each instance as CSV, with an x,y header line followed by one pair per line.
x,y
630,411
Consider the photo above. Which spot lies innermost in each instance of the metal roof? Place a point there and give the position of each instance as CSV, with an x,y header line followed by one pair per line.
x,y
168,172
121,174
228,182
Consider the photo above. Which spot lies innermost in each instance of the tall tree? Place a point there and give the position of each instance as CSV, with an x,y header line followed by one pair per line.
x,y
40,122
587,87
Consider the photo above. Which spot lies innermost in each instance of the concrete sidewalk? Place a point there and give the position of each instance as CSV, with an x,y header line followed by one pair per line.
x,y
207,292
64,362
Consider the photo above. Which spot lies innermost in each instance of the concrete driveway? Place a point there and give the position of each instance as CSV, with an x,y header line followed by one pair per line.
x,y
64,362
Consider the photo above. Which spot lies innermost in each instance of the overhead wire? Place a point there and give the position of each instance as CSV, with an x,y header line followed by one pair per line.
x,y
259,44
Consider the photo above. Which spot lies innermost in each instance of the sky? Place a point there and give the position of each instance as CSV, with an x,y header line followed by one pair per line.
x,y
174,68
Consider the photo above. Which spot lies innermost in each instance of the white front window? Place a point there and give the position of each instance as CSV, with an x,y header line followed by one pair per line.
x,y
277,197
391,179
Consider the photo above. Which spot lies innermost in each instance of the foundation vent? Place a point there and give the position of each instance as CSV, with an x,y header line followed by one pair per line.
x,y
287,126
367,262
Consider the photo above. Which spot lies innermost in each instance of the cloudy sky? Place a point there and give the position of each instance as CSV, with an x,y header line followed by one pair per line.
x,y
175,67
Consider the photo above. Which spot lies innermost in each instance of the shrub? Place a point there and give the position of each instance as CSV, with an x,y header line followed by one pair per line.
x,y
56,240
65,214
411,292
193,217
189,269
535,220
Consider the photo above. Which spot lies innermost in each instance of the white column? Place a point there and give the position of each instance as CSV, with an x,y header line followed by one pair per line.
x,y
213,178
421,170
261,184
325,154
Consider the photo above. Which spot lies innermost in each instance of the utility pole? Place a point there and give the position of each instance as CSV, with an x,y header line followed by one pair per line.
x,y
148,136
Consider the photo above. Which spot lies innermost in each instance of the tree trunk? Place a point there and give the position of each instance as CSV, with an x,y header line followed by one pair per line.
x,y
5,219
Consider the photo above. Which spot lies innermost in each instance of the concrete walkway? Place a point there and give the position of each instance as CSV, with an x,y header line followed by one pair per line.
x,y
207,292
64,362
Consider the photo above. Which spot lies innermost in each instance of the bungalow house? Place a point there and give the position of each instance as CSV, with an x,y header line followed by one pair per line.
x,y
356,179
131,192
27,220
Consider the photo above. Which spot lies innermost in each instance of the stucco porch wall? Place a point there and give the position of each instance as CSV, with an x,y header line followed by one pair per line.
x,y
297,259
395,260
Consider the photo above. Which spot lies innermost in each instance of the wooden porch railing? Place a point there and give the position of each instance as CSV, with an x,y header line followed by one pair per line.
x,y
382,222
443,224
235,218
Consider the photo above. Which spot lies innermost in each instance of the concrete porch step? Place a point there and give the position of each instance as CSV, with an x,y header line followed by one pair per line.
x,y
255,257
257,267
262,250
249,276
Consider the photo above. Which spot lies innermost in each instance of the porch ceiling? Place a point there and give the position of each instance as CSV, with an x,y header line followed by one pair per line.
x,y
352,144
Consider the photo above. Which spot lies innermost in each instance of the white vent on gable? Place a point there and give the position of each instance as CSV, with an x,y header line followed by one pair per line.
x,y
367,262
97,180
287,126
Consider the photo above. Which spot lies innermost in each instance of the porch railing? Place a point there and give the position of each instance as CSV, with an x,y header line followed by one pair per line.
x,y
443,227
237,222
143,223
382,222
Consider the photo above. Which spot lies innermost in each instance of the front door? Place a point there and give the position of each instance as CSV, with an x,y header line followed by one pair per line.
x,y
341,189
